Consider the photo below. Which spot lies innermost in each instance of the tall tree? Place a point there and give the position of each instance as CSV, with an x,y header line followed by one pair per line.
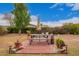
x,y
22,18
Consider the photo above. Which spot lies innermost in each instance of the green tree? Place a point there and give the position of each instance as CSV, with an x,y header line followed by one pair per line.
x,y
71,28
21,16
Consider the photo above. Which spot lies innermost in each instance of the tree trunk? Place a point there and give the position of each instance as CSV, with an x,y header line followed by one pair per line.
x,y
19,31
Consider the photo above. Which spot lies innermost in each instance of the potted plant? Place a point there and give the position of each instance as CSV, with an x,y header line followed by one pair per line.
x,y
60,43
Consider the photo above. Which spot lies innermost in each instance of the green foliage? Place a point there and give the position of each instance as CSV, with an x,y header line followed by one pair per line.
x,y
59,43
3,30
32,30
23,30
12,30
65,29
22,17
46,29
71,28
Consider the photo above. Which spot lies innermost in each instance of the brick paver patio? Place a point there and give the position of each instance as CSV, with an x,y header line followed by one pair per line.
x,y
37,47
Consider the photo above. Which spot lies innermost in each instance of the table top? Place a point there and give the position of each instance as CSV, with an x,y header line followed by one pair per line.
x,y
40,36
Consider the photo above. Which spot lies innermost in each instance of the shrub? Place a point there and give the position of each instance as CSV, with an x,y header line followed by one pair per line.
x,y
32,30
3,30
60,43
23,30
12,30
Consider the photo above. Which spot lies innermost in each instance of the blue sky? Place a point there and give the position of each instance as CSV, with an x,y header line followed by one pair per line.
x,y
48,12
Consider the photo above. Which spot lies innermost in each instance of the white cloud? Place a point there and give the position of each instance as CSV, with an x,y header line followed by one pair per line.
x,y
33,20
51,23
75,6
61,22
70,4
1,16
4,19
6,16
54,23
61,9
72,20
53,6
4,23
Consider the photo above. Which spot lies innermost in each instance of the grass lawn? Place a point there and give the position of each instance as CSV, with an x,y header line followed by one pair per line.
x,y
71,40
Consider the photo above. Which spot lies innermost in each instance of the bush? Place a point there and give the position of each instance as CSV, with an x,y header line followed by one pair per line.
x,y
23,30
32,30
12,30
3,30
60,43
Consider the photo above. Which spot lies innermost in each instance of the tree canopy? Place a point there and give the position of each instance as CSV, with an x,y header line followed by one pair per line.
x,y
21,16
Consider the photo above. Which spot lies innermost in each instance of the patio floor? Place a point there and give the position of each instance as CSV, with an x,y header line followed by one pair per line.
x,y
37,47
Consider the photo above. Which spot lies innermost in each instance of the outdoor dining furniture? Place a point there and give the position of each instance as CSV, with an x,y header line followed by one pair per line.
x,y
40,38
